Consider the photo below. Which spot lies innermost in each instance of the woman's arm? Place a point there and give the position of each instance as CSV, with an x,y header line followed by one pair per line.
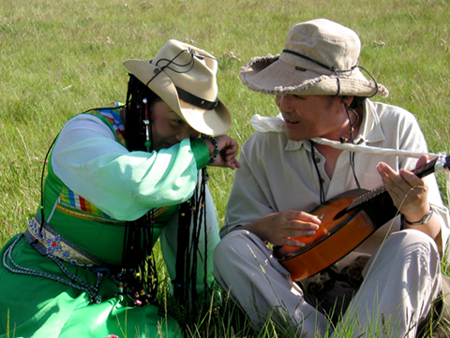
x,y
124,184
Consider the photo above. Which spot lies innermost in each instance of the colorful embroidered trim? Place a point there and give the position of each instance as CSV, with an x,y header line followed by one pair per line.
x,y
52,243
159,211
115,121
75,201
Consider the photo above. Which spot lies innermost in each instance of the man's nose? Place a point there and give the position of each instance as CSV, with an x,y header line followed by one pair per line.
x,y
284,102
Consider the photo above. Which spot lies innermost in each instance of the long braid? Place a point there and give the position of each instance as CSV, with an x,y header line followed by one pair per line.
x,y
140,275
192,215
135,113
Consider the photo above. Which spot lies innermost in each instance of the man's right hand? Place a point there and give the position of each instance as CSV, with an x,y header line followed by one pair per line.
x,y
279,228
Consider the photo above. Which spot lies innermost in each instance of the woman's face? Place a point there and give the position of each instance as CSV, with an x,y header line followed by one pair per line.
x,y
168,128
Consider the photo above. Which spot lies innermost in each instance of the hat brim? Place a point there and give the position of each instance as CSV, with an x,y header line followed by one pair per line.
x,y
209,122
270,75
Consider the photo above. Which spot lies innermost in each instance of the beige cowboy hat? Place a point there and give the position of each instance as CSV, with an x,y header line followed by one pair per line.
x,y
320,57
184,77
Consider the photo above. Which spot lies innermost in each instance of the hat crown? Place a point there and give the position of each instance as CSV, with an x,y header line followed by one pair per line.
x,y
320,57
324,41
191,69
184,77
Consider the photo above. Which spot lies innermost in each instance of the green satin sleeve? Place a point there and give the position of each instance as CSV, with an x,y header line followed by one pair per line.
x,y
201,153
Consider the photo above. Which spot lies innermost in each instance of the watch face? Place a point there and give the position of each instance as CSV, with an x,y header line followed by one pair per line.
x,y
427,217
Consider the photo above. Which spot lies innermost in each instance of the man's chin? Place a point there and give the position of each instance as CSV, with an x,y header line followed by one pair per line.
x,y
293,136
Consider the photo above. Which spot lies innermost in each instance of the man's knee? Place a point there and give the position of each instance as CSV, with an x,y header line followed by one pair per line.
x,y
410,237
229,247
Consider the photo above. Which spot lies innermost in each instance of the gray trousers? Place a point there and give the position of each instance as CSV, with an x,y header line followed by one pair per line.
x,y
400,282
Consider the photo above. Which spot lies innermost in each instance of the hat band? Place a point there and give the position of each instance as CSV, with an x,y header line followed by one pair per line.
x,y
195,100
332,69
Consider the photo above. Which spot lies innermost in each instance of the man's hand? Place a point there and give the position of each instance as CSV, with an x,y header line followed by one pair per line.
x,y
410,195
279,228
408,192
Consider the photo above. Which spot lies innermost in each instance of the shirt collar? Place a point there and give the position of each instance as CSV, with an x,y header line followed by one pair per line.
x,y
370,131
296,145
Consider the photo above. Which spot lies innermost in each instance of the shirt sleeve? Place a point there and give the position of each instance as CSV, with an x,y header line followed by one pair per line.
x,y
250,196
123,184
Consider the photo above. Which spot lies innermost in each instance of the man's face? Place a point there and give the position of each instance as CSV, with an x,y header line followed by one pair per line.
x,y
312,116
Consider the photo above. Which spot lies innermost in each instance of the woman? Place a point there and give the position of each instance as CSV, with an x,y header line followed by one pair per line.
x,y
118,179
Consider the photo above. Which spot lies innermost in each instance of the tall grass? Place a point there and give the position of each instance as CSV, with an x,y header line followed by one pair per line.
x,y
59,58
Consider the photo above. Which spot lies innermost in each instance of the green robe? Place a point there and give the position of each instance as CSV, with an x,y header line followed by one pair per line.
x,y
35,306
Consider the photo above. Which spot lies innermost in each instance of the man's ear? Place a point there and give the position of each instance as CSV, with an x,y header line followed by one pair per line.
x,y
347,100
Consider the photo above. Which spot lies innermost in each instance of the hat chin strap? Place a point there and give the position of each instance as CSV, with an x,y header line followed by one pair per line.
x,y
195,100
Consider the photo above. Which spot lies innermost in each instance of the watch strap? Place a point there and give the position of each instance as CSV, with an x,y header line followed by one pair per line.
x,y
424,219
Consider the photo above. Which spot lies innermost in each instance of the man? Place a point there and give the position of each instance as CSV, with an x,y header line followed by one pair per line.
x,y
288,168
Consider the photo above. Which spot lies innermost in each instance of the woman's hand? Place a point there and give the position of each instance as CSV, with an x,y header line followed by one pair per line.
x,y
228,149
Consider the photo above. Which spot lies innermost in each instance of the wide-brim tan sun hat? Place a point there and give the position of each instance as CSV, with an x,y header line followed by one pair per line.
x,y
320,57
184,77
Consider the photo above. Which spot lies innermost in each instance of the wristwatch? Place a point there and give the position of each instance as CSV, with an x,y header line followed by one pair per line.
x,y
424,219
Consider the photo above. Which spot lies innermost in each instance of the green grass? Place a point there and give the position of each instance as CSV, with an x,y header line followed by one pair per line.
x,y
59,58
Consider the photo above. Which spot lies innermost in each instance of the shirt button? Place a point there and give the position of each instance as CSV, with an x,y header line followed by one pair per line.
x,y
317,159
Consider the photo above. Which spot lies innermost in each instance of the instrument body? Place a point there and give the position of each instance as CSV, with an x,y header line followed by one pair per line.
x,y
339,233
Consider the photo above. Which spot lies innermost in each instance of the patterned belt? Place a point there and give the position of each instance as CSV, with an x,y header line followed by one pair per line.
x,y
47,241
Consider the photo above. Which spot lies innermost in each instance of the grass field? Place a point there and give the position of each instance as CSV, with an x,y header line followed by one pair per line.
x,y
59,58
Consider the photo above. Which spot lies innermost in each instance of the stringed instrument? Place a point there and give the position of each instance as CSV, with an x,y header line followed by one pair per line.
x,y
347,220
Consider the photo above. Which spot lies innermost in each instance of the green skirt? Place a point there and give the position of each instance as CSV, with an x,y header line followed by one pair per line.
x,y
35,306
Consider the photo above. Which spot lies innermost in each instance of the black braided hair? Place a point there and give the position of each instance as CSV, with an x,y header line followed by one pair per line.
x,y
192,214
135,113
139,275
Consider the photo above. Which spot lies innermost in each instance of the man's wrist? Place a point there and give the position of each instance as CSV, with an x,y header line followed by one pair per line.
x,y
424,219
